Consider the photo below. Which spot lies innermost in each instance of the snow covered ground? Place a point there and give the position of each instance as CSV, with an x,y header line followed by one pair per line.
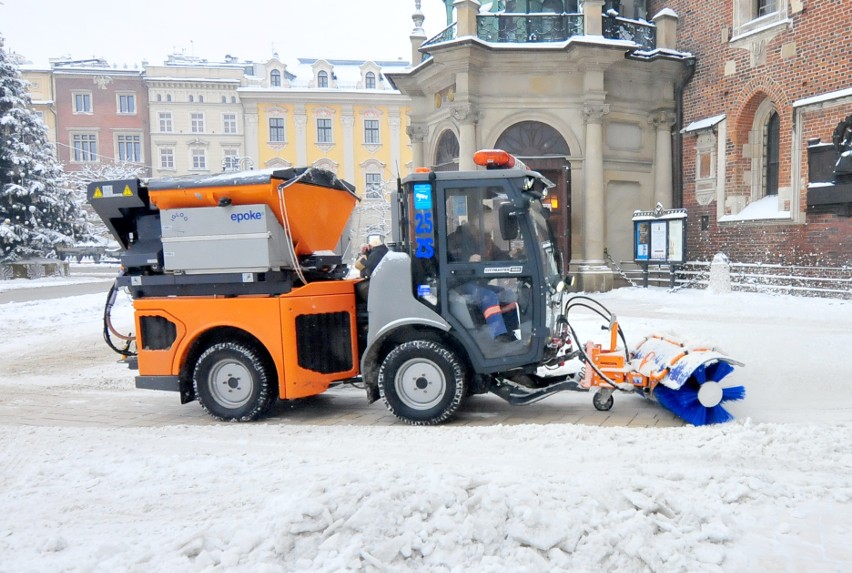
x,y
771,491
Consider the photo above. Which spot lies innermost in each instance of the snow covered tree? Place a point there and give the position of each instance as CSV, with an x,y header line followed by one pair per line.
x,y
37,212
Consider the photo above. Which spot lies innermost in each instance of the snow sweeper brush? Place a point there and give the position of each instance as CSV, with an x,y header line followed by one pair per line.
x,y
685,380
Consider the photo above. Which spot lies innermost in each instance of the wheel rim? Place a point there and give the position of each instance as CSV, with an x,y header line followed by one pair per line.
x,y
420,384
230,383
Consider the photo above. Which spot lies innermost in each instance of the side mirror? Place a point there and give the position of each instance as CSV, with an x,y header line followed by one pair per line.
x,y
509,227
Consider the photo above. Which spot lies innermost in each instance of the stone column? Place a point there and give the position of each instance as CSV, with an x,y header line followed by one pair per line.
x,y
592,14
394,123
418,35
666,22
347,118
300,118
663,121
466,116
250,125
466,11
594,274
417,133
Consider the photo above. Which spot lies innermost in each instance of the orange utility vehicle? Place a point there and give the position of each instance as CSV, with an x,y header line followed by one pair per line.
x,y
241,296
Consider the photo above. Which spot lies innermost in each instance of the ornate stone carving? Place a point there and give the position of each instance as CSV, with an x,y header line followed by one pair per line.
x,y
662,119
593,112
465,113
417,133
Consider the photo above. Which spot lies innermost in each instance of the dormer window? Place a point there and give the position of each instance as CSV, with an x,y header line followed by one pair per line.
x,y
322,79
370,81
275,79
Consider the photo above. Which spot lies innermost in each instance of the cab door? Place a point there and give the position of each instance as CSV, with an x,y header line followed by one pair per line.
x,y
488,275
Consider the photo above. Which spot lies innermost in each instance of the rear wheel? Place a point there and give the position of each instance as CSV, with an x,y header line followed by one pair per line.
x,y
233,382
422,382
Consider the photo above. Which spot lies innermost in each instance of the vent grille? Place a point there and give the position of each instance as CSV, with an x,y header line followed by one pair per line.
x,y
324,342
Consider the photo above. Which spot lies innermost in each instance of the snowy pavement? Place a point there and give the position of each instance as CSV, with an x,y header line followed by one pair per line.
x,y
98,476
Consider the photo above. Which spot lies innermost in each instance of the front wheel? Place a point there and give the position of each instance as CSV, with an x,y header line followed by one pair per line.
x,y
233,382
422,382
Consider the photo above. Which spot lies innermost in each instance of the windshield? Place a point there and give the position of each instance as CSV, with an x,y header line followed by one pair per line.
x,y
546,243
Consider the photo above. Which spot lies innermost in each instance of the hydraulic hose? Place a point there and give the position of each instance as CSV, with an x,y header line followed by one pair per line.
x,y
109,329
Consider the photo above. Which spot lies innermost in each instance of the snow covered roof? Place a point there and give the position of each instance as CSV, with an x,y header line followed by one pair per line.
x,y
705,123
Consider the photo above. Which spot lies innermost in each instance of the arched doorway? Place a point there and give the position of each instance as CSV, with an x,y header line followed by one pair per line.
x,y
447,153
544,149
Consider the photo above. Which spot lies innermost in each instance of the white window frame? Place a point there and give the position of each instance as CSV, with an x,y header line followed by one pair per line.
x,y
329,129
87,151
275,129
370,78
164,119
120,98
230,159
371,179
167,158
323,79
229,124
275,79
85,100
121,147
196,122
198,159
372,130
747,20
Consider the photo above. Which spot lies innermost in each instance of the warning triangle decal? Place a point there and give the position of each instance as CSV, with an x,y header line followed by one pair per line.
x,y
127,191
98,193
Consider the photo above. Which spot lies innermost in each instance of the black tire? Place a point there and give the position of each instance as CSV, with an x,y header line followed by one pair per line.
x,y
422,382
602,405
233,382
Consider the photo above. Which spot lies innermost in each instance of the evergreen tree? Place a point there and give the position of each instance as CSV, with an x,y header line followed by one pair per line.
x,y
36,212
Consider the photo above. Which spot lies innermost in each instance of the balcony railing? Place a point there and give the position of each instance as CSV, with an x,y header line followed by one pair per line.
x,y
528,28
643,33
546,27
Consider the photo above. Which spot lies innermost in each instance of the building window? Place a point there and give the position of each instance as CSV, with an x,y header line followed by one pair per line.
x,y
374,186
765,7
324,130
224,99
229,121
199,158
82,103
322,79
276,129
196,122
233,99
230,160
275,79
165,121
191,99
168,97
85,147
126,103
370,81
771,152
371,131
751,15
201,99
40,115
167,158
159,97
130,148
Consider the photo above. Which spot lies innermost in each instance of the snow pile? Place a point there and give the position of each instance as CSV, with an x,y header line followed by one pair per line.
x,y
771,491
520,498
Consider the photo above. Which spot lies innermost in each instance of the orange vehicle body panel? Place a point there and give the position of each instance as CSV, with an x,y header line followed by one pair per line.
x,y
317,215
269,319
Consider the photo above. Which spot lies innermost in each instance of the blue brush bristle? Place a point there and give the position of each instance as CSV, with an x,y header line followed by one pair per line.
x,y
684,403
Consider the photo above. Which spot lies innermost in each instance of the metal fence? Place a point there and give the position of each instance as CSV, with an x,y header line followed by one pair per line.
x,y
828,282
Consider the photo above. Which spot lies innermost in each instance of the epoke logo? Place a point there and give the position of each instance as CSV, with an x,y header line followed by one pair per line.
x,y
247,216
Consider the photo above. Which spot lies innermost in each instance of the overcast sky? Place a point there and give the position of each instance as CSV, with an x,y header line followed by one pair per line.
x,y
129,32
